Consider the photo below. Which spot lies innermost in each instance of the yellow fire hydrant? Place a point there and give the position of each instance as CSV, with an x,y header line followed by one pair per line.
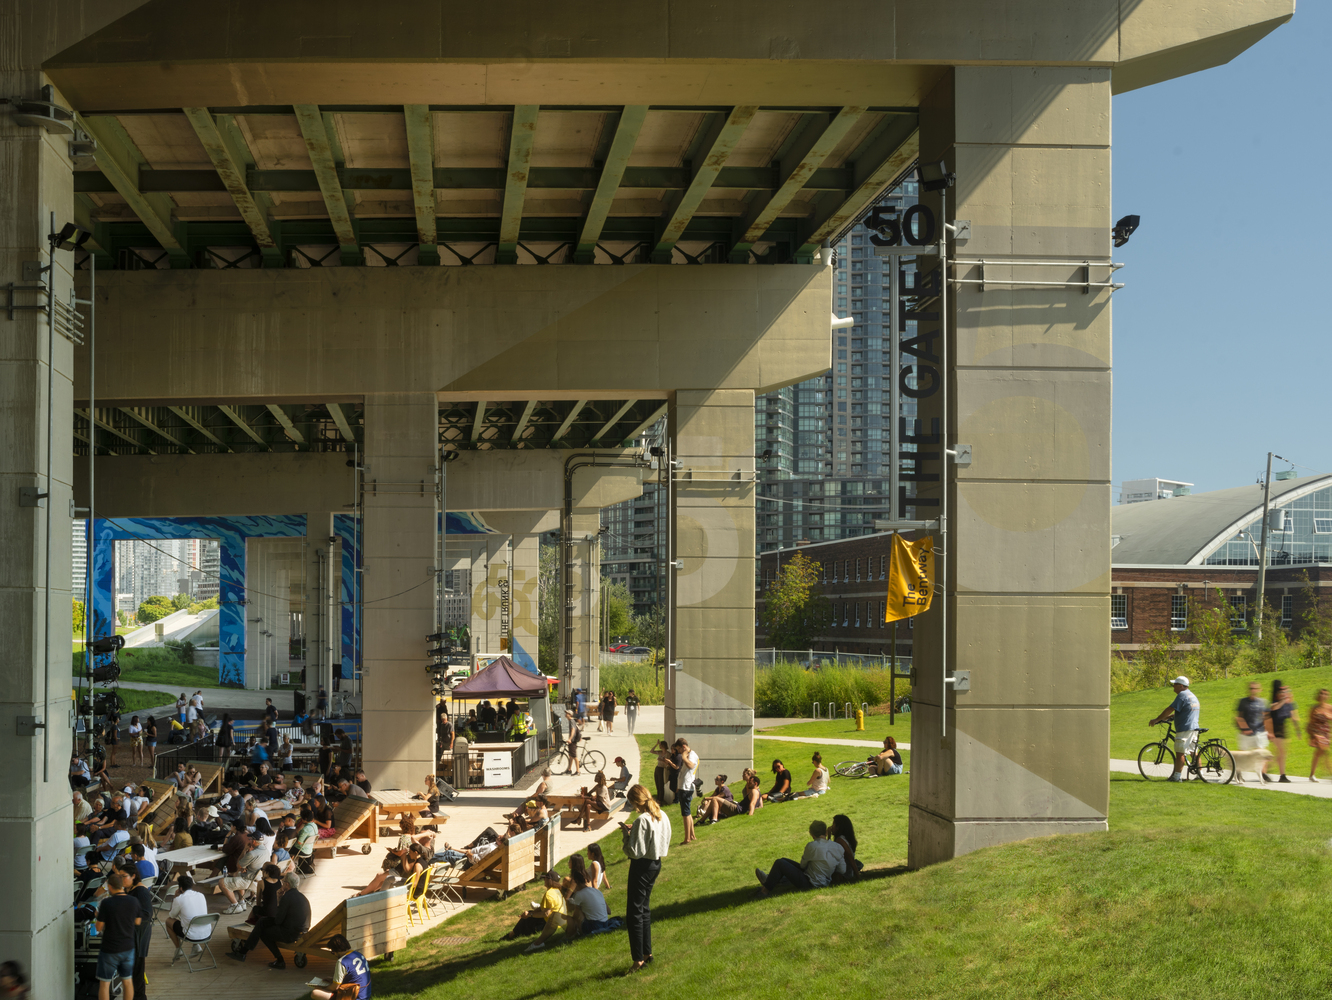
x,y
860,720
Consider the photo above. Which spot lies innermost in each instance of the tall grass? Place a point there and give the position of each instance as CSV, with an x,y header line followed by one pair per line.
x,y
642,677
787,690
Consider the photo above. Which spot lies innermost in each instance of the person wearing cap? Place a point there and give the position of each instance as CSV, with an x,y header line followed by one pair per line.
x,y
623,782
553,911
1184,710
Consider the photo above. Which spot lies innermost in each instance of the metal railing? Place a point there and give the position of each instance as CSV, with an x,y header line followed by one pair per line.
x,y
818,658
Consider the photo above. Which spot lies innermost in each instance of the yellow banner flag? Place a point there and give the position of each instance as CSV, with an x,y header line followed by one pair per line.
x,y
910,577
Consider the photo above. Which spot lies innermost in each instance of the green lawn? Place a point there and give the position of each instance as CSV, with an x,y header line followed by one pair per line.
x,y
1130,711
1152,909
136,701
876,728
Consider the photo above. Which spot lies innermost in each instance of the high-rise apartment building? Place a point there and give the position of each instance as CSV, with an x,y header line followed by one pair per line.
x,y
79,552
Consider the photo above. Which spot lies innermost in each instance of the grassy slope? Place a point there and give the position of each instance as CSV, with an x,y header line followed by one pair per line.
x,y
137,701
1149,910
876,728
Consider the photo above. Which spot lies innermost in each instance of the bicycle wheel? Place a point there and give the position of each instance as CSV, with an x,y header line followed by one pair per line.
x,y
560,762
1156,761
846,767
1215,765
594,760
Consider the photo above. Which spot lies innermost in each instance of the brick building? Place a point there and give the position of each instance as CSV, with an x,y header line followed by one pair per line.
x,y
1165,551
854,578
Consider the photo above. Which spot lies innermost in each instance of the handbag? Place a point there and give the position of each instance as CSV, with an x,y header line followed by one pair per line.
x,y
346,991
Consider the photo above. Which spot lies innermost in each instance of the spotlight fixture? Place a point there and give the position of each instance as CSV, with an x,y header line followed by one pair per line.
x,y
107,644
1125,228
70,237
935,176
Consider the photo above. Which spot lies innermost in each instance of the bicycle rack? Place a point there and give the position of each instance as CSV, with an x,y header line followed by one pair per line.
x,y
832,710
847,710
816,710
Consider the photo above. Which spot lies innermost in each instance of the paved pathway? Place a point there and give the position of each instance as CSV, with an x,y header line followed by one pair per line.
x,y
828,741
1321,789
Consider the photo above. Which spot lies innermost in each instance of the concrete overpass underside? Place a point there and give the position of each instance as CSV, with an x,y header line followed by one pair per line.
x,y
424,228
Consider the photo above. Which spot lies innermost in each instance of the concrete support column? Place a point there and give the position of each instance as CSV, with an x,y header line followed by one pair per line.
x,y
36,926
401,545
710,701
582,603
490,578
524,528
1026,751
322,631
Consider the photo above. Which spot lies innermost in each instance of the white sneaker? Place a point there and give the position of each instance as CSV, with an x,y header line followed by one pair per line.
x,y
762,876
1313,779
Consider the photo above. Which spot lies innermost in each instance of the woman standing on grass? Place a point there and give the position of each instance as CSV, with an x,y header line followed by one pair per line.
x,y
1319,731
646,842
1283,710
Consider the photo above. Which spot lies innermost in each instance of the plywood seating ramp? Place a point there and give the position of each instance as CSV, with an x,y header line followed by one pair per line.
x,y
375,925
354,819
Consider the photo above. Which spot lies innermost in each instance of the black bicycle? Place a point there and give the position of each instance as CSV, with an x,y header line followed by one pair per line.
x,y
1210,761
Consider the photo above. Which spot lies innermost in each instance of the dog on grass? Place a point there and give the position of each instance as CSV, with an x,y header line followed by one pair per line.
x,y
1249,760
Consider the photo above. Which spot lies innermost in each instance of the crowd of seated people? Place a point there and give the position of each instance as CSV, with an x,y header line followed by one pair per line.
x,y
573,904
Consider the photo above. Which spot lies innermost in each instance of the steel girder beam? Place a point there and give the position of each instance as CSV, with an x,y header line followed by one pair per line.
x,y
240,422
656,415
421,151
231,169
522,136
292,431
563,429
317,142
609,424
344,426
571,179
721,137
119,160
194,422
612,174
816,142
137,413
879,163
478,420
522,421
111,428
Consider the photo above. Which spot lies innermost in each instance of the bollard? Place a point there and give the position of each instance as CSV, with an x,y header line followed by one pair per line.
x,y
860,720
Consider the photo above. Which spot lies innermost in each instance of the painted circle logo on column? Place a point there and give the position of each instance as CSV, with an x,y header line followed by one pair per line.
x,y
714,530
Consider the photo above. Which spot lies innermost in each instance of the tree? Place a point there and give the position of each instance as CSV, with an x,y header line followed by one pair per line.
x,y
78,617
180,601
548,610
616,609
1211,629
1156,657
650,629
154,608
795,611
123,618
198,606
1268,649
1315,629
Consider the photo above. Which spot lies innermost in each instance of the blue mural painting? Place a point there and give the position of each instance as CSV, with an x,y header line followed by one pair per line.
x,y
231,533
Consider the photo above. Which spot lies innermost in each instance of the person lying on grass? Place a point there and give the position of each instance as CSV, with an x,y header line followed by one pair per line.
x,y
546,916
818,781
889,761
822,860
718,805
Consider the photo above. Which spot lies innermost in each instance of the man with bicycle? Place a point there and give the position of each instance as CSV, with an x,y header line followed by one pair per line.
x,y
1184,710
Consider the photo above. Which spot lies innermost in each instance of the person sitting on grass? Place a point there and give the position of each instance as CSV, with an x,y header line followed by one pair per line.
x,y
587,906
843,834
781,786
350,967
718,805
821,861
889,761
546,916
818,781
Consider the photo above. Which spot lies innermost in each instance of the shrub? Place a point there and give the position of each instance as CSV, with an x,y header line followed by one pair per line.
x,y
642,677
787,690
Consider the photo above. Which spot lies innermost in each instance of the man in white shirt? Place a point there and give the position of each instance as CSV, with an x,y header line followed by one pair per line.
x,y
822,859
82,810
197,702
187,905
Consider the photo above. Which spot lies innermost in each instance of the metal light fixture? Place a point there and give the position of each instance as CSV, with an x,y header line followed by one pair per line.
x,y
1125,228
70,237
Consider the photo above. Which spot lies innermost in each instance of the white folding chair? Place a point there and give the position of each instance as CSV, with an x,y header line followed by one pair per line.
x,y
208,921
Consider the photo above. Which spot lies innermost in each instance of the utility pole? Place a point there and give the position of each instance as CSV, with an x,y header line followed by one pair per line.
x,y
1262,549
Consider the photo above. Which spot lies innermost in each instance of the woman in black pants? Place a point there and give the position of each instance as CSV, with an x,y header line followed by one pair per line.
x,y
645,844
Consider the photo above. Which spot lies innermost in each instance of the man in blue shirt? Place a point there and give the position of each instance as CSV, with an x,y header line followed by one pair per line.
x,y
1184,710
351,967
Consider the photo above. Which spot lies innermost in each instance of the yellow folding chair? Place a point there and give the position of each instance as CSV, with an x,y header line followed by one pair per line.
x,y
417,899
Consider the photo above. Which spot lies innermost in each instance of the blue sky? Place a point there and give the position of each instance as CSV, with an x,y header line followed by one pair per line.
x,y
1223,341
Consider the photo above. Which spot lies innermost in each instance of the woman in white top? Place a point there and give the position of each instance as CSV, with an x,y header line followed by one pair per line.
x,y
136,740
818,781
645,844
596,868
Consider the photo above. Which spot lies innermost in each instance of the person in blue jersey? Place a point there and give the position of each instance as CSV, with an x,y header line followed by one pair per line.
x,y
351,967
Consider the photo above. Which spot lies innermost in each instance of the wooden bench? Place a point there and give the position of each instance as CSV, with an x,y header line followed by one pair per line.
x,y
510,866
354,819
164,807
375,925
210,777
571,809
